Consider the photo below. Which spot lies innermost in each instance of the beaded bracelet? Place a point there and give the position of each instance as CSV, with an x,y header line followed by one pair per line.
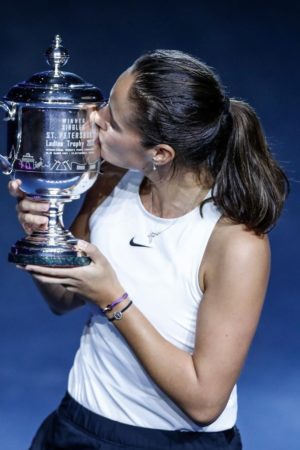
x,y
114,303
119,314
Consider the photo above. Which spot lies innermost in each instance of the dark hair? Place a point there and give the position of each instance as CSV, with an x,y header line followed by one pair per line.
x,y
180,101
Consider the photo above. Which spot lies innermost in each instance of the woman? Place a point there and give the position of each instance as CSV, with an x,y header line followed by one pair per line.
x,y
180,263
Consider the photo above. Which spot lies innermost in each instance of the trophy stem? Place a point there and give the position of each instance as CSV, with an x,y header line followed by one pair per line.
x,y
55,247
55,224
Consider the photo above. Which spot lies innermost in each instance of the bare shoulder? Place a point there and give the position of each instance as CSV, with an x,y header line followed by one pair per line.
x,y
233,249
100,190
236,240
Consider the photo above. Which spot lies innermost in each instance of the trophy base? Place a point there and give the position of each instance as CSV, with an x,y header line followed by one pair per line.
x,y
42,249
49,260
53,247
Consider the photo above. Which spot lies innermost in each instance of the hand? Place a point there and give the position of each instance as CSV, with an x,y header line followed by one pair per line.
x,y
30,212
97,281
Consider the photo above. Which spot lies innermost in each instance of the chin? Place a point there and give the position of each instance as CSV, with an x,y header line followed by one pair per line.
x,y
112,161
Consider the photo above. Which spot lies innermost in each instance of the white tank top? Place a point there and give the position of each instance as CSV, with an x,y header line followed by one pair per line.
x,y
157,261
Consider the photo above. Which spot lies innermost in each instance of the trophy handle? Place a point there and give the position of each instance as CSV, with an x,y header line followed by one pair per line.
x,y
11,112
5,164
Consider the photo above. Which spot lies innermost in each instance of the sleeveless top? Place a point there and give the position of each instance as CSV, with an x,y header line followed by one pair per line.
x,y
157,261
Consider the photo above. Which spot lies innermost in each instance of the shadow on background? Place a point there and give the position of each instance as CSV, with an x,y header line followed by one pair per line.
x,y
255,49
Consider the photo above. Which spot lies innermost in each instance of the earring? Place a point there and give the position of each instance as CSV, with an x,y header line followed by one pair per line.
x,y
154,168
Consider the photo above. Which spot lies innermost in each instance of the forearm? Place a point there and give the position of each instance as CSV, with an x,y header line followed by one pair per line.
x,y
58,298
171,368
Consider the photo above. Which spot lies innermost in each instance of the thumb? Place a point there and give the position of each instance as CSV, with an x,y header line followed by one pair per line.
x,y
14,189
89,249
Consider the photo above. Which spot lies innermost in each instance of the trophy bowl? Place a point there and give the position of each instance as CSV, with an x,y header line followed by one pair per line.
x,y
52,148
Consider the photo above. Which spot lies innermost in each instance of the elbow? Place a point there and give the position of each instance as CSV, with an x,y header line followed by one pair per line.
x,y
204,418
56,311
205,415
206,403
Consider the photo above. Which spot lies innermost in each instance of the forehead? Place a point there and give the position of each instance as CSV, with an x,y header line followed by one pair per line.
x,y
120,90
122,108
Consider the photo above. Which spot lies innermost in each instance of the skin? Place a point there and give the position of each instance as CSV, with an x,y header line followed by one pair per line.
x,y
233,273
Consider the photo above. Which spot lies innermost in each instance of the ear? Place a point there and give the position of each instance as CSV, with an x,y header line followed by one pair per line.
x,y
162,154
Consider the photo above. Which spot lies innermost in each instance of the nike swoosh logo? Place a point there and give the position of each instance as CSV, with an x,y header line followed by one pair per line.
x,y
135,244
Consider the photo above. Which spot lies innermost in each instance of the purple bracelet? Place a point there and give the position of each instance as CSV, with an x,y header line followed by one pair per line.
x,y
114,303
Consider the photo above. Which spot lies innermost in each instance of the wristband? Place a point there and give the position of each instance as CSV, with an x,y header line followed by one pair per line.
x,y
114,303
119,314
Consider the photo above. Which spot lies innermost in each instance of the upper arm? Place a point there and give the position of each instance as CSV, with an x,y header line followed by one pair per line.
x,y
235,272
103,186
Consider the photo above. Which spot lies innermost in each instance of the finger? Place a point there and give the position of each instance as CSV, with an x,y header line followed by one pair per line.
x,y
66,282
71,288
90,250
29,229
27,205
28,219
43,227
55,272
14,190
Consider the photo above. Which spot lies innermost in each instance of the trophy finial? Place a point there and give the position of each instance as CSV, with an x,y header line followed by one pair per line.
x,y
56,55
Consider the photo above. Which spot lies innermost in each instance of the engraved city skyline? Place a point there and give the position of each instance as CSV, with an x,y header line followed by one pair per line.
x,y
28,162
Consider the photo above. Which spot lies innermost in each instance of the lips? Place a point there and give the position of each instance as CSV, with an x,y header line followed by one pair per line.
x,y
97,141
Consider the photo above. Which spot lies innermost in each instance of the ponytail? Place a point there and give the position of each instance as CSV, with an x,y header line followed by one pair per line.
x,y
178,100
249,187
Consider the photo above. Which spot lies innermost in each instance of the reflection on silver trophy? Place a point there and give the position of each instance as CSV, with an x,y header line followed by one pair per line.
x,y
51,149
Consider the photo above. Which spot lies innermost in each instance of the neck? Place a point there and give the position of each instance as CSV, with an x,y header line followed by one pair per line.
x,y
173,196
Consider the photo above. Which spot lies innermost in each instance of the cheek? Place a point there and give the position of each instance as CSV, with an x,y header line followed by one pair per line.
x,y
113,148
111,142
122,148
114,141
108,134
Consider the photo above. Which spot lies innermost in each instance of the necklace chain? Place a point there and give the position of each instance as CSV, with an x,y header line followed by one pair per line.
x,y
154,234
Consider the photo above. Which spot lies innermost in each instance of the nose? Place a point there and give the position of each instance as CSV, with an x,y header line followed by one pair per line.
x,y
100,116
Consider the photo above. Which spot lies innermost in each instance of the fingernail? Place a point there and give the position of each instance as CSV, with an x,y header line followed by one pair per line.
x,y
82,244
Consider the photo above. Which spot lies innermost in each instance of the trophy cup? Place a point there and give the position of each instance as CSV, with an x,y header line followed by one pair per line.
x,y
51,149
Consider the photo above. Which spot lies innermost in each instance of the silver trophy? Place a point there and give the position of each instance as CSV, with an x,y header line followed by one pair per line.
x,y
51,149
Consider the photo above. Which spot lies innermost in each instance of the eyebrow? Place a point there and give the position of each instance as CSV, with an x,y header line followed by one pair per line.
x,y
112,118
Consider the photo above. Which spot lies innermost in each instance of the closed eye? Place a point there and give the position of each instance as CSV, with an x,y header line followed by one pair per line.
x,y
113,123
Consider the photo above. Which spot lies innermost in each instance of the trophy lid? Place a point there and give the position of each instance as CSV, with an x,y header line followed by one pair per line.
x,y
55,86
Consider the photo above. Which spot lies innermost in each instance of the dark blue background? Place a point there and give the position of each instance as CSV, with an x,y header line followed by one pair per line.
x,y
254,47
